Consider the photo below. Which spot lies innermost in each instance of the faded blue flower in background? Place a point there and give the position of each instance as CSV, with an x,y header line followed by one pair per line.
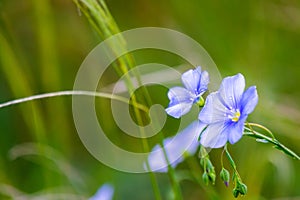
x,y
105,192
182,98
184,143
226,111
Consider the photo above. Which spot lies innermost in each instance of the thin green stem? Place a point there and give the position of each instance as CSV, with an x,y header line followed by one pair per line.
x,y
261,127
171,171
172,176
100,18
222,155
89,93
146,148
154,185
72,93
231,161
250,132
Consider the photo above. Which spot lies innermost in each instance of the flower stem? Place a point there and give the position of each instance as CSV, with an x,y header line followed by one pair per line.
x,y
250,132
231,161
86,93
222,155
146,148
100,18
262,127
172,176
72,93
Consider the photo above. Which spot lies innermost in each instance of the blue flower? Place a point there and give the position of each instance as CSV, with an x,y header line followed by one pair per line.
x,y
184,143
226,111
105,192
182,98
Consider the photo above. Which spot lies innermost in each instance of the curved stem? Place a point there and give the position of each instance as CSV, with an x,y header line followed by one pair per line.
x,y
222,163
261,127
230,159
72,93
232,163
250,132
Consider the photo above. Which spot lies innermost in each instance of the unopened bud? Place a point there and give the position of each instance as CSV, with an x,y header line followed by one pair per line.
x,y
205,178
235,192
212,177
242,188
209,165
225,176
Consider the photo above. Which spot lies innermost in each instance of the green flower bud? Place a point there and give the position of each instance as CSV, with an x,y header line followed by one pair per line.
x,y
235,192
212,177
242,188
205,178
209,165
225,176
202,162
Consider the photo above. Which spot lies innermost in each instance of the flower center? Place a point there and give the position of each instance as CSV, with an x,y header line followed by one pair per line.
x,y
235,115
200,101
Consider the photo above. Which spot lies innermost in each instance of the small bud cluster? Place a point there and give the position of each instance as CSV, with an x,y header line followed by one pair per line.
x,y
209,174
240,188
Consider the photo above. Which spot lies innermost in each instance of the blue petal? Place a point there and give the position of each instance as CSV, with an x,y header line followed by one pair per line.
x,y
235,130
203,82
214,136
214,110
191,79
105,192
185,141
249,100
181,101
231,90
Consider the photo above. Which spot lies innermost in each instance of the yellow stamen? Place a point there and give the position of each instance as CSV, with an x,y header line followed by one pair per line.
x,y
236,116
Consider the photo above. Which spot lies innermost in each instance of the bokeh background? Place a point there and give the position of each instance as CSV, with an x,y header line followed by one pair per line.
x,y
43,43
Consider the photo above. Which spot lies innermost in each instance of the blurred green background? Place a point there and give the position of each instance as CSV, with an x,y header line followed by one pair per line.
x,y
43,43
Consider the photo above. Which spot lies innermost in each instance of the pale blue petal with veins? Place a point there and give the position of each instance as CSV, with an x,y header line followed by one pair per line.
x,y
226,111
182,98
185,142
